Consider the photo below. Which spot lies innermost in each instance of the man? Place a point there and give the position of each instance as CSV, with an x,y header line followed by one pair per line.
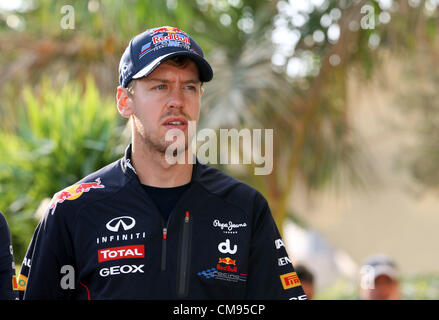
x,y
7,267
143,228
379,279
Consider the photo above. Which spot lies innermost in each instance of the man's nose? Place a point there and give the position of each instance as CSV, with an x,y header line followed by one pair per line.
x,y
176,98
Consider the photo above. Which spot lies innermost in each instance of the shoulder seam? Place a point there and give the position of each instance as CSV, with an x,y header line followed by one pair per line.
x,y
81,207
105,197
225,200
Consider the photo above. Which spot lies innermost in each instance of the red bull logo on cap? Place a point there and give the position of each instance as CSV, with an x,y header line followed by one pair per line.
x,y
166,37
171,36
168,30
74,192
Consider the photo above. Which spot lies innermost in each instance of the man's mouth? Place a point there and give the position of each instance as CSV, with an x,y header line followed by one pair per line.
x,y
175,123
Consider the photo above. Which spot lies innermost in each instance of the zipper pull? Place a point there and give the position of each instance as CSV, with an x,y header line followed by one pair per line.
x,y
164,236
165,233
186,217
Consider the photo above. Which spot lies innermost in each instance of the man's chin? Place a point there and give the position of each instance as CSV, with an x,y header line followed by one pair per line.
x,y
172,148
175,148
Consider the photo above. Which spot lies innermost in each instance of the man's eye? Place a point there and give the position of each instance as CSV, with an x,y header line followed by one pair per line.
x,y
160,87
190,87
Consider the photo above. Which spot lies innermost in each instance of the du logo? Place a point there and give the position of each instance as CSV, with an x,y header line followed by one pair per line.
x,y
224,247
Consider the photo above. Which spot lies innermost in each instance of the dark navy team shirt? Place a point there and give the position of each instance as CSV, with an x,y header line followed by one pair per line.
x,y
7,268
106,238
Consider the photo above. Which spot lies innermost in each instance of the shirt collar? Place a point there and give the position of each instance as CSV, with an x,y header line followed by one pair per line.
x,y
128,167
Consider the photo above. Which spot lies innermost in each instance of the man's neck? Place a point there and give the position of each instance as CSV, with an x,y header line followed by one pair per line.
x,y
153,169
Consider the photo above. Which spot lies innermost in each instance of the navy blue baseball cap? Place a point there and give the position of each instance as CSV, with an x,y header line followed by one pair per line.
x,y
147,50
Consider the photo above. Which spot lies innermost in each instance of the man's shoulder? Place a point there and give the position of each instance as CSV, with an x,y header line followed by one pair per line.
x,y
2,220
111,173
93,187
229,188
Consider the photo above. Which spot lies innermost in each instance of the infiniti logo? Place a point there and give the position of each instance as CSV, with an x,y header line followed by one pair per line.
x,y
126,222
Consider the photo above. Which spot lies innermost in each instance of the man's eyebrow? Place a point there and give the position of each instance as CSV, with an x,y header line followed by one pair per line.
x,y
192,81
158,80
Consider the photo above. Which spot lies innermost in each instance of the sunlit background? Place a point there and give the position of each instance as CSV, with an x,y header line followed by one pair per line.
x,y
349,88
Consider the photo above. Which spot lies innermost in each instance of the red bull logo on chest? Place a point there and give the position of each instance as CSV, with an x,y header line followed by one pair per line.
x,y
74,192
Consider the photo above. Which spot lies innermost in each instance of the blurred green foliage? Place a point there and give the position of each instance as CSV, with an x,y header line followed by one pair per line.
x,y
53,135
55,123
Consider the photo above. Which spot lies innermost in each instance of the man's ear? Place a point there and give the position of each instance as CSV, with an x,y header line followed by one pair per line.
x,y
124,102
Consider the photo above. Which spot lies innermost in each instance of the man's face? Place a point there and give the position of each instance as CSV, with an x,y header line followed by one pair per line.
x,y
168,98
308,287
385,289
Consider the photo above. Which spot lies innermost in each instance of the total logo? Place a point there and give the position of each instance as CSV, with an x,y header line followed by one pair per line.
x,y
126,252
125,269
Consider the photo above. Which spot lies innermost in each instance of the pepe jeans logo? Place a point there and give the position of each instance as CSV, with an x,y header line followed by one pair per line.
x,y
126,222
229,227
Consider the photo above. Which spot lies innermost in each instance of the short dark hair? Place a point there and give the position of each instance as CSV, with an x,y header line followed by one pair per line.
x,y
304,274
178,61
130,87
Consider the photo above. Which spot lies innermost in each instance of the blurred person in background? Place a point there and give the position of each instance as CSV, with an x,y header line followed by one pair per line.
x,y
7,267
379,279
307,279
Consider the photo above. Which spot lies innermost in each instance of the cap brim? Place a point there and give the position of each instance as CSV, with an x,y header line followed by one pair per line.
x,y
204,69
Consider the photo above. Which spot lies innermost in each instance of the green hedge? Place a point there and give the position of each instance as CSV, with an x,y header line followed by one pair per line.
x,y
64,133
